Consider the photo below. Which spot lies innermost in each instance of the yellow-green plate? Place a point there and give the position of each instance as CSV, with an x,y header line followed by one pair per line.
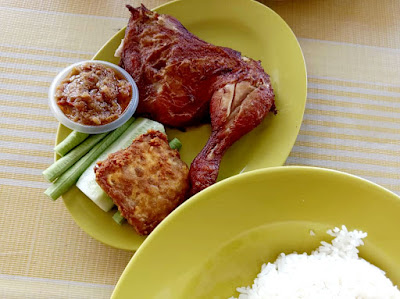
x,y
219,239
257,32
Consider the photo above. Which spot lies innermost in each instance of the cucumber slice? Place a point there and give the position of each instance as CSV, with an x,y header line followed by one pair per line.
x,y
87,182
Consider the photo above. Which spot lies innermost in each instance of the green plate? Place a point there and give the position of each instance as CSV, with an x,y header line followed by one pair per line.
x,y
257,32
219,239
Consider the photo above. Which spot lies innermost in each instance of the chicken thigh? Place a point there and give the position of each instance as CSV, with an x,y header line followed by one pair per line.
x,y
183,81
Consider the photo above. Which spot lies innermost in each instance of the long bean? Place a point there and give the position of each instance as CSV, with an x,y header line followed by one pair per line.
x,y
69,178
64,163
71,141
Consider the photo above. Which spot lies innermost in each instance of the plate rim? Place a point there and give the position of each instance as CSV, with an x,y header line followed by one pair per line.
x,y
231,181
280,162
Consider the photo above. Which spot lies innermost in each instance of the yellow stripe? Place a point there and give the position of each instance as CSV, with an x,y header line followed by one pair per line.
x,y
34,62
24,164
28,128
23,93
27,72
44,52
331,124
354,84
24,82
347,148
23,105
355,95
343,104
26,140
352,115
350,137
333,158
28,116
22,177
20,151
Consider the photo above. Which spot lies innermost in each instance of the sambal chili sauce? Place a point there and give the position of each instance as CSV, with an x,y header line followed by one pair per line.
x,y
93,94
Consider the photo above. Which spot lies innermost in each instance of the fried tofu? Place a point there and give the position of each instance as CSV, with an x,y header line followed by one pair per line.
x,y
147,181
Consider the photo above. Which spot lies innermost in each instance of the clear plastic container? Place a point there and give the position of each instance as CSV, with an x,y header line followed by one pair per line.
x,y
62,118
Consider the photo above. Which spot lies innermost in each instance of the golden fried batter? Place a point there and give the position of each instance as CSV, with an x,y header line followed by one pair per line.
x,y
146,181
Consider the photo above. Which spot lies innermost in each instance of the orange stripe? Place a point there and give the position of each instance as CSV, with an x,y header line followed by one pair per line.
x,y
335,158
34,62
347,148
26,140
355,95
331,124
44,52
23,93
352,115
29,128
27,72
22,177
23,105
354,84
353,105
24,82
28,116
24,164
20,151
350,137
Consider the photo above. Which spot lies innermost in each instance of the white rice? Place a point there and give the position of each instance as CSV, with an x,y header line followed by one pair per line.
x,y
331,271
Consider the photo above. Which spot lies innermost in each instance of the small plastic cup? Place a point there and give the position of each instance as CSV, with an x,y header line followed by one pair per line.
x,y
62,118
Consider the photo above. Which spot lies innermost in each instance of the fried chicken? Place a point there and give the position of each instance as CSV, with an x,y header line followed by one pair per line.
x,y
147,181
183,80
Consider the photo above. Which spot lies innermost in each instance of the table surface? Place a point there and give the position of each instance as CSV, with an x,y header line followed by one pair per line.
x,y
351,122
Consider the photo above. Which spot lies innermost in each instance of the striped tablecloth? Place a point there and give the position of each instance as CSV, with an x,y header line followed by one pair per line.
x,y
351,122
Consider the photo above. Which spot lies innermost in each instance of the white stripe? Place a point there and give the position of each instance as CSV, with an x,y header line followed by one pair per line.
x,y
27,134
353,81
381,158
388,50
361,111
26,158
29,123
17,183
22,170
377,180
62,13
56,281
352,121
353,132
378,102
67,60
45,49
344,142
371,91
24,99
26,146
27,88
341,164
26,77
27,111
34,67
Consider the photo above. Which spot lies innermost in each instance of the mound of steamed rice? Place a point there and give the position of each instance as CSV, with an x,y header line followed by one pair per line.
x,y
332,271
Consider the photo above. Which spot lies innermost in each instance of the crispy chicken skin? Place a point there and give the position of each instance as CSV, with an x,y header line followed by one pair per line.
x,y
183,80
146,181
